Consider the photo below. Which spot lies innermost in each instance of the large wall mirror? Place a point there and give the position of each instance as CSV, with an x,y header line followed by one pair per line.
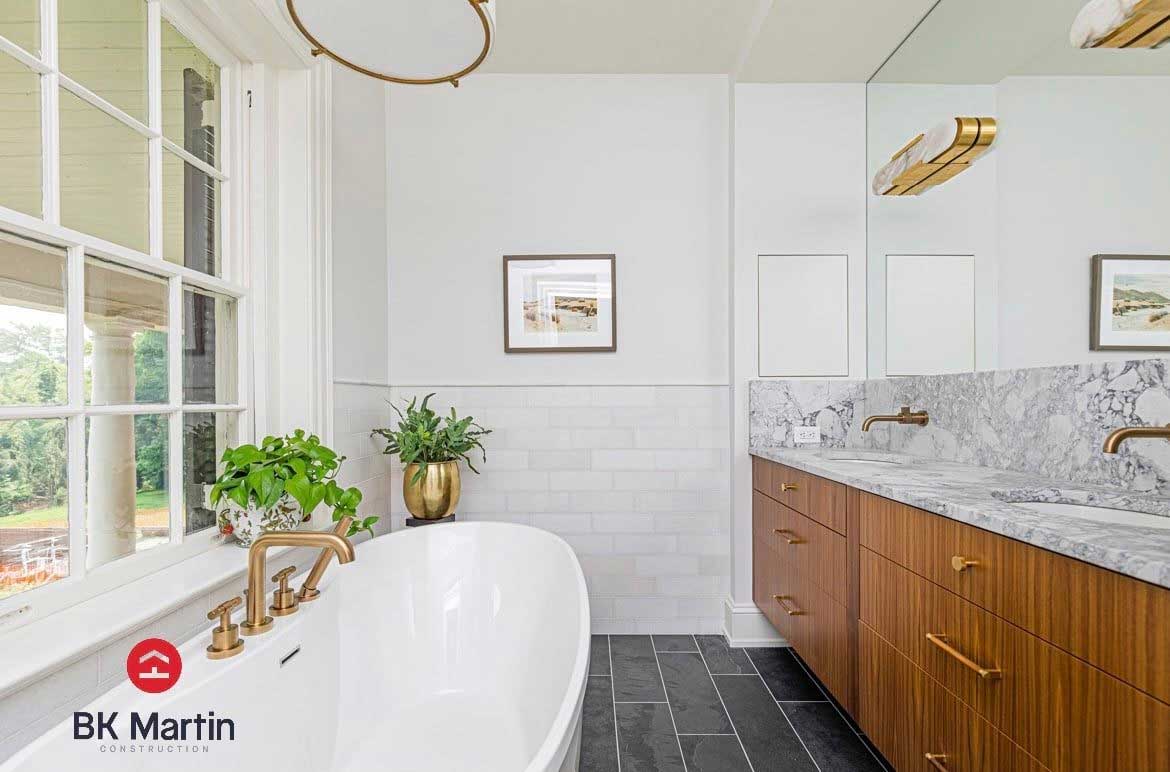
x,y
991,268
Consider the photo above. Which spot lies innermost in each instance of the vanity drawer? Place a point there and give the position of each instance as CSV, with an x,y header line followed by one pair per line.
x,y
817,552
822,500
1065,712
789,487
908,715
817,627
1112,621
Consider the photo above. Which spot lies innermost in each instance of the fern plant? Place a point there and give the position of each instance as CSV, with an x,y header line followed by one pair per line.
x,y
424,437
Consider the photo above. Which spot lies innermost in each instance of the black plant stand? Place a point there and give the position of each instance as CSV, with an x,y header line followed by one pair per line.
x,y
414,522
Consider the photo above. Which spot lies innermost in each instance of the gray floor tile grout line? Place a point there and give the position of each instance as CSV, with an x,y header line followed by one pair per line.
x,y
727,712
640,702
669,709
613,699
839,713
783,712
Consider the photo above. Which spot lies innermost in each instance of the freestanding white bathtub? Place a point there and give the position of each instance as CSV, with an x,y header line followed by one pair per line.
x,y
453,648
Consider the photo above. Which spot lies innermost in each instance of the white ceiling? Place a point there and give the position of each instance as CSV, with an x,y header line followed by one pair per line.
x,y
829,40
620,36
952,45
761,40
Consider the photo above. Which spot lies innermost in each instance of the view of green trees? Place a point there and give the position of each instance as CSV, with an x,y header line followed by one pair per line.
x,y
32,452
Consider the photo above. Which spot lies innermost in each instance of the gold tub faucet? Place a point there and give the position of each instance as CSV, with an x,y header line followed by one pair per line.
x,y
1118,436
258,622
904,416
309,591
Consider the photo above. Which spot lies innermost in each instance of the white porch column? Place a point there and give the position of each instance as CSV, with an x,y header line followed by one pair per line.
x,y
113,483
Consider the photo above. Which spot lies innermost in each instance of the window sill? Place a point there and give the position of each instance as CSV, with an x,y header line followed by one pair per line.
x,y
31,652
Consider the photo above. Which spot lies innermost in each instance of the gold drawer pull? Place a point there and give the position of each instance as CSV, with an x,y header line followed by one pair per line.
x,y
785,487
990,674
792,612
961,563
788,536
937,760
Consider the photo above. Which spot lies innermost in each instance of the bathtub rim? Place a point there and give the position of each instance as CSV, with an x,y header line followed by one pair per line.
x,y
552,751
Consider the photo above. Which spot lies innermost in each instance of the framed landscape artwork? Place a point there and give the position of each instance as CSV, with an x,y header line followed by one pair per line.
x,y
1130,303
560,303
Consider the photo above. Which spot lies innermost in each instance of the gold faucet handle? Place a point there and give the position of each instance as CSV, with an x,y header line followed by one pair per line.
x,y
284,600
224,611
283,575
225,639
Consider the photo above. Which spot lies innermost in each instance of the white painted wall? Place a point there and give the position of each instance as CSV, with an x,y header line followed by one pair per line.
x,y
361,315
635,166
958,218
799,161
361,318
1084,169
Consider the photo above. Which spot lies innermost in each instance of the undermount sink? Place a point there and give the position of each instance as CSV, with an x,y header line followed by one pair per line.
x,y
1097,514
862,457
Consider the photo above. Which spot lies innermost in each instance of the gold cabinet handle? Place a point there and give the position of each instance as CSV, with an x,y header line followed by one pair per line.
x,y
961,563
989,674
788,536
937,760
785,487
793,611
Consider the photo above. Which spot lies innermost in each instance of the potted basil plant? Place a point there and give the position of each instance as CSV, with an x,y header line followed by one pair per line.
x,y
276,485
430,448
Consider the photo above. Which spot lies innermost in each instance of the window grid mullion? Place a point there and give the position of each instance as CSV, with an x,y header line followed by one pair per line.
x,y
75,379
50,117
154,122
175,383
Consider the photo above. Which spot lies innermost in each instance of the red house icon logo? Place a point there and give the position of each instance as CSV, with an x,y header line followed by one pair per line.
x,y
154,665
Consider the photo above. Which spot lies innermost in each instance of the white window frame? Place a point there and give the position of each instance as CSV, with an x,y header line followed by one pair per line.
x,y
235,282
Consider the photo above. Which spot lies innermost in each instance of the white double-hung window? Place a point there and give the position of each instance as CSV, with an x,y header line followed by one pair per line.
x,y
123,370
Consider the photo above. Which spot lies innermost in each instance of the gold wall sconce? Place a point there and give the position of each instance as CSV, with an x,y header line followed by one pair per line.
x,y
399,41
1122,24
932,158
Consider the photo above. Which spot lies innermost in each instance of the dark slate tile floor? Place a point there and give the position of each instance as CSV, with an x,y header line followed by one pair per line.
x,y
683,703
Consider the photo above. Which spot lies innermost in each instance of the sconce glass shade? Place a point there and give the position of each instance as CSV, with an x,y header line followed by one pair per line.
x,y
401,41
1122,24
939,155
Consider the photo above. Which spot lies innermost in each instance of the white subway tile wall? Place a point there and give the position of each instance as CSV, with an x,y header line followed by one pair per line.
x,y
634,478
357,411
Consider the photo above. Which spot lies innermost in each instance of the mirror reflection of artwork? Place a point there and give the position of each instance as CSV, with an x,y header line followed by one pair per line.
x,y
1131,303
559,303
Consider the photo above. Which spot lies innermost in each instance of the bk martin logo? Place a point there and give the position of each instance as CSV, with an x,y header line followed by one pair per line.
x,y
154,665
152,733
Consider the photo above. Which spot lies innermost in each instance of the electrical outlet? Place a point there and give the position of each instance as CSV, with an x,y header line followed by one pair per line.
x,y
807,435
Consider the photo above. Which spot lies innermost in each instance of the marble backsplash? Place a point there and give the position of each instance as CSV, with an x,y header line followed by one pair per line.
x,y
1048,421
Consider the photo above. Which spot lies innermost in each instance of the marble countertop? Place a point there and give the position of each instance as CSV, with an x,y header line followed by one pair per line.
x,y
982,497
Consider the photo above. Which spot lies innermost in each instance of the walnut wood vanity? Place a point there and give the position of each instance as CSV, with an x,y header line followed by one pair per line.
x,y
956,648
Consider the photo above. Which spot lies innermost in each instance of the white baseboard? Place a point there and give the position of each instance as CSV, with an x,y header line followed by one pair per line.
x,y
745,625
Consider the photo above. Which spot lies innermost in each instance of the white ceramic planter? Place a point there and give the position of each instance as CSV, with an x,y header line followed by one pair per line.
x,y
246,524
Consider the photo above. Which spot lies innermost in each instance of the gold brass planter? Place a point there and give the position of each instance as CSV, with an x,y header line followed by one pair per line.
x,y
434,496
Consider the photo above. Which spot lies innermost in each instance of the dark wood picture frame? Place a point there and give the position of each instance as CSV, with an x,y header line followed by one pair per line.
x,y
1097,264
510,349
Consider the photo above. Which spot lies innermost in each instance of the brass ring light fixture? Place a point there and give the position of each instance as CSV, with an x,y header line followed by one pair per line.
x,y
486,19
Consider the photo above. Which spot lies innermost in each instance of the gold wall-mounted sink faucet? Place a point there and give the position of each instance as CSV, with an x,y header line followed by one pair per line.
x,y
1118,436
904,416
258,622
